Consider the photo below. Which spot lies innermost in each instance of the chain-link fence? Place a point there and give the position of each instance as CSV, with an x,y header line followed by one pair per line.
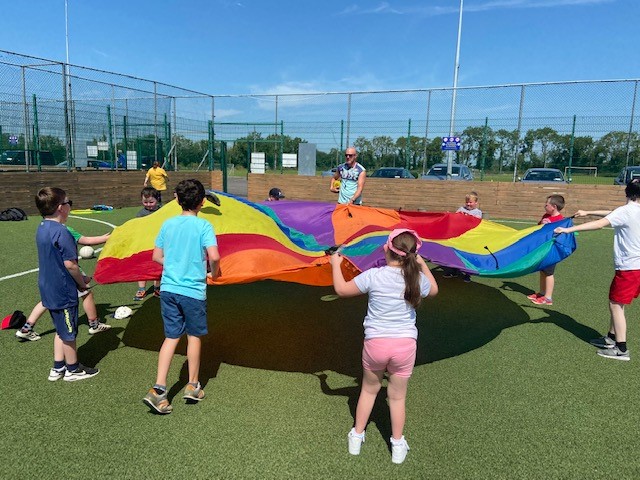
x,y
57,114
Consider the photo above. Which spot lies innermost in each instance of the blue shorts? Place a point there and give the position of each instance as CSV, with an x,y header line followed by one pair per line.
x,y
549,270
66,322
182,314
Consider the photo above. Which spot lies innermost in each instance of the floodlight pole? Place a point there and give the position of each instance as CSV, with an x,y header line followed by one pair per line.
x,y
69,101
455,91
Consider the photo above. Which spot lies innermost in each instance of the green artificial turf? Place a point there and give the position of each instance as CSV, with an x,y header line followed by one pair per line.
x,y
502,388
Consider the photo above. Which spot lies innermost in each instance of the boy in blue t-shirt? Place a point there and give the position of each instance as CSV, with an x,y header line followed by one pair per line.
x,y
183,247
59,281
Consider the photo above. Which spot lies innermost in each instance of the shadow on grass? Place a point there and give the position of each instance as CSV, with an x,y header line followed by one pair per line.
x,y
287,327
563,321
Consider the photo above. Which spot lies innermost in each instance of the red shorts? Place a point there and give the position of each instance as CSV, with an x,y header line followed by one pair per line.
x,y
395,355
625,286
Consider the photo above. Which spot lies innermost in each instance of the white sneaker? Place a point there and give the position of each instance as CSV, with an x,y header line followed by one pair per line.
x,y
31,335
355,441
399,449
101,327
56,374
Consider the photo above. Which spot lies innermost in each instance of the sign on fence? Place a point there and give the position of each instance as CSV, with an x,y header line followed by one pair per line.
x,y
132,160
92,151
103,146
451,143
289,160
257,162
13,139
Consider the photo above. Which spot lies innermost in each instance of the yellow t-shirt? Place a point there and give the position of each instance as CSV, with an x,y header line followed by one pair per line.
x,y
158,178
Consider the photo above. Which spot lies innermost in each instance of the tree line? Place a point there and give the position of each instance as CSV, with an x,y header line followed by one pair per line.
x,y
493,151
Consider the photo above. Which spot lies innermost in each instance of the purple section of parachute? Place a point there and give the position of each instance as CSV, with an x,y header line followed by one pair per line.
x,y
298,218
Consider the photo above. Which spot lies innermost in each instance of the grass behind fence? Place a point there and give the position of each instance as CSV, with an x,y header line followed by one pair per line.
x,y
502,388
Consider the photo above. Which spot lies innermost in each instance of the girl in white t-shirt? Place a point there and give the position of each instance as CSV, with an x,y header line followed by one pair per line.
x,y
390,332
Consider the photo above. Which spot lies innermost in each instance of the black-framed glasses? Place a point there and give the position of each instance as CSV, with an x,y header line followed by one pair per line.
x,y
68,202
349,155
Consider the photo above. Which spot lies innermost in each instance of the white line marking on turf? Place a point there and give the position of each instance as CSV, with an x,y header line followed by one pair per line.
x,y
18,274
92,220
27,272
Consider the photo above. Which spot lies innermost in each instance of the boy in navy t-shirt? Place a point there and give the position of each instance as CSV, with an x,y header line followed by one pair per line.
x,y
59,281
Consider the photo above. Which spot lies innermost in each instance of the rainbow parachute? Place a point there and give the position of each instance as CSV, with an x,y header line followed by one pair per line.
x,y
288,240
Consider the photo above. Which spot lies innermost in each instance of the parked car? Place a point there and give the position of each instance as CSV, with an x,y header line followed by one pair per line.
x,y
16,157
439,172
392,172
626,175
549,175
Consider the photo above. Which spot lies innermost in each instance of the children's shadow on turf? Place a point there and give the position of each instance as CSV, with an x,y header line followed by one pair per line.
x,y
98,346
563,321
287,327
380,415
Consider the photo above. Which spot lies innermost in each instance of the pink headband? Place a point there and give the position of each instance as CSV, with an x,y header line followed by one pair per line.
x,y
397,232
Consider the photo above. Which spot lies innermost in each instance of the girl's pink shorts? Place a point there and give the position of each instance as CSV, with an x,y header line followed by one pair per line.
x,y
395,355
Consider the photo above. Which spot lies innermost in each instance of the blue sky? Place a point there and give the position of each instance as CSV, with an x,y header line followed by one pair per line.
x,y
287,46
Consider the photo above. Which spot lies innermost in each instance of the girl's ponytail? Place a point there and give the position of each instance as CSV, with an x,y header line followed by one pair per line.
x,y
403,246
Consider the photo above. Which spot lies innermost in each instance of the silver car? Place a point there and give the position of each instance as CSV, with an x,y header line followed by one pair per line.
x,y
439,172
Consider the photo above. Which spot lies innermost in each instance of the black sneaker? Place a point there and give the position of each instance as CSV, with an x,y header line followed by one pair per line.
x,y
80,373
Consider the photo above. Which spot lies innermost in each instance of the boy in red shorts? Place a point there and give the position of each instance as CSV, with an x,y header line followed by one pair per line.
x,y
625,285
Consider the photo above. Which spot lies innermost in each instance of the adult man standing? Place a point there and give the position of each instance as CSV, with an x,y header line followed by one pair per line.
x,y
352,176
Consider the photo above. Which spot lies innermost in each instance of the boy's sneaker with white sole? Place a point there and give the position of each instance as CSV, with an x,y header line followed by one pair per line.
x,y
615,354
80,373
56,374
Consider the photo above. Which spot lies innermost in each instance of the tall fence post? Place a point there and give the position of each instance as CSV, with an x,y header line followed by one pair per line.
x,y
348,118
483,148
67,126
210,144
125,141
408,149
114,165
426,133
26,120
573,136
174,129
516,147
36,134
155,122
633,112
275,145
212,139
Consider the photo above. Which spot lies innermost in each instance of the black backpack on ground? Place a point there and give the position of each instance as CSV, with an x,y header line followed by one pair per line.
x,y
14,214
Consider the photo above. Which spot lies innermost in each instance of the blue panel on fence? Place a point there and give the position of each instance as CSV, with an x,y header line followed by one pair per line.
x,y
450,143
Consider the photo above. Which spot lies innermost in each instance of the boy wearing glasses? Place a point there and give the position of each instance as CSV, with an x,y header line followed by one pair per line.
x,y
59,280
352,176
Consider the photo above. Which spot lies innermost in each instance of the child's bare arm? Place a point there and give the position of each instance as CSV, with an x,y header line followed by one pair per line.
x,y
597,213
214,262
94,240
595,225
74,270
158,255
340,285
425,269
